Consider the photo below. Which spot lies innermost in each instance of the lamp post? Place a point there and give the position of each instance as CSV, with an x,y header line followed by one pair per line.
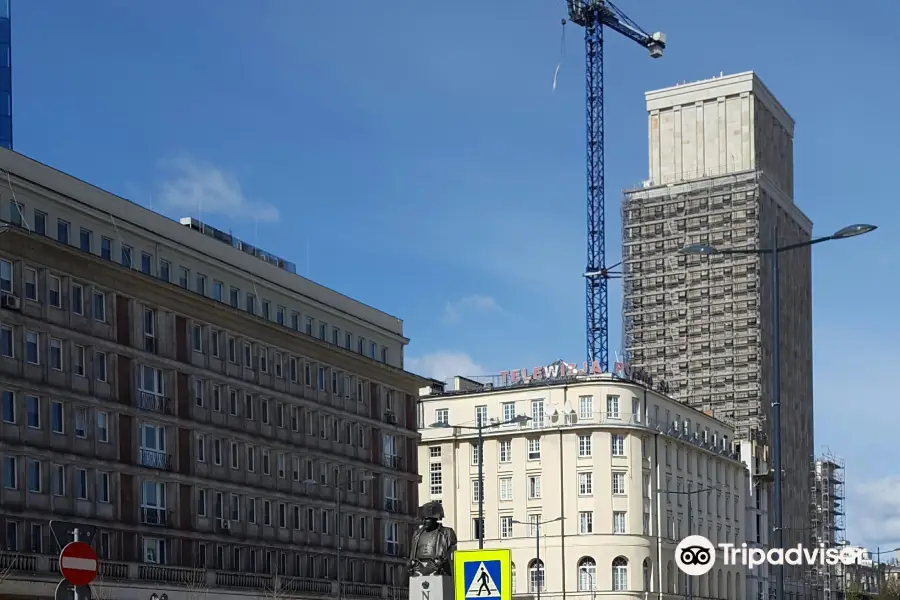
x,y
689,581
338,487
775,251
537,538
479,427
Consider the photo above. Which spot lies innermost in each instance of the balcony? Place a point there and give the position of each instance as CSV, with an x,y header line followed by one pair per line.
x,y
154,402
155,516
392,461
154,459
37,575
393,505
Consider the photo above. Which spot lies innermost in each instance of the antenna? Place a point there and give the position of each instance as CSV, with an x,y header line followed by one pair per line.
x,y
16,203
307,259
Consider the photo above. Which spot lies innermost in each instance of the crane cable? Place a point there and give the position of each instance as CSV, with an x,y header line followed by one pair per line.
x,y
562,54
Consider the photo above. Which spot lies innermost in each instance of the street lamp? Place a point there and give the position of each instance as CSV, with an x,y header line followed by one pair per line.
x,y
539,566
338,487
480,426
689,581
775,251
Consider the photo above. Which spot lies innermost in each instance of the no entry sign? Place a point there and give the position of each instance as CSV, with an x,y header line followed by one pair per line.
x,y
78,563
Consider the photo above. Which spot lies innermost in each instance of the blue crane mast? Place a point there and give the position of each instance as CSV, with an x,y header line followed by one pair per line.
x,y
593,15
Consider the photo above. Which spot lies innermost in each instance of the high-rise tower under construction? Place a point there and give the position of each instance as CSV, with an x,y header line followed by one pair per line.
x,y
721,172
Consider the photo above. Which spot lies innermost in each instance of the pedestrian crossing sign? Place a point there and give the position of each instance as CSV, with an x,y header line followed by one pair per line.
x,y
485,574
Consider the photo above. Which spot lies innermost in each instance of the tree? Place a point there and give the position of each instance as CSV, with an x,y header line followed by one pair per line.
x,y
854,591
194,581
279,588
890,590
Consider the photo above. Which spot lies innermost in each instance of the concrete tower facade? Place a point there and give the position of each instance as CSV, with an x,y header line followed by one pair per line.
x,y
721,172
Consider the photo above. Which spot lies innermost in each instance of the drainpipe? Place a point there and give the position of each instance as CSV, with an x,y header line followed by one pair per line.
x,y
660,585
562,501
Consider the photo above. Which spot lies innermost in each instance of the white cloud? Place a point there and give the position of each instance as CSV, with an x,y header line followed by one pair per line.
x,y
876,509
444,366
469,305
201,188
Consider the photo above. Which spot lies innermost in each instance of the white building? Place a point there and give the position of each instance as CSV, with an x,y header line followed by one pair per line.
x,y
601,453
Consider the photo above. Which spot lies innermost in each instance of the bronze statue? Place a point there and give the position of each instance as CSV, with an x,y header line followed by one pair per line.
x,y
433,545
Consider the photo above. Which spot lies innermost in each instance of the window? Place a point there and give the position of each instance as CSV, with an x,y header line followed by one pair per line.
x,y
508,410
54,291
32,353
476,491
234,297
587,575
585,407
585,522
441,415
198,392
536,576
78,359
105,248
618,522
100,365
6,276
620,574
481,416
348,341
33,412
506,489
153,446
149,330
102,426
7,342
537,414
77,299
103,487
126,256
618,483
16,210
534,449
31,284
476,454
62,231
34,477
506,525
40,223
85,240
214,343
81,487
198,338
100,307
56,355
584,445
218,290
585,484
11,472
80,422
9,407
57,421
612,407
505,451
477,527
184,277
618,444
534,487
200,282
146,263
436,479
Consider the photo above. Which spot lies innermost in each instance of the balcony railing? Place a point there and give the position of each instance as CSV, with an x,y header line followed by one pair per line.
x,y
155,459
158,517
155,402
39,568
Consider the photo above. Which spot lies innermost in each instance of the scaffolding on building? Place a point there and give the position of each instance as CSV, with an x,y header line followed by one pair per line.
x,y
827,521
686,320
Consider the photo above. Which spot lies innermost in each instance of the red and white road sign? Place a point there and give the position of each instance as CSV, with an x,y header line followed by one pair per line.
x,y
78,563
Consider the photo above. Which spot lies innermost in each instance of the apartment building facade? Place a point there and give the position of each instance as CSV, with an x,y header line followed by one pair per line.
x,y
224,423
605,477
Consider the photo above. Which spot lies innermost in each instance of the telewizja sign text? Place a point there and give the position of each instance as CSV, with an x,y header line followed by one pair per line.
x,y
555,371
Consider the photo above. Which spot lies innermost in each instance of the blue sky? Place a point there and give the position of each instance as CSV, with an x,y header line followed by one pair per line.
x,y
419,153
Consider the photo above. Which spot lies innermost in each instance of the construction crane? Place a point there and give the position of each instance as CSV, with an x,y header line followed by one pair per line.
x,y
594,15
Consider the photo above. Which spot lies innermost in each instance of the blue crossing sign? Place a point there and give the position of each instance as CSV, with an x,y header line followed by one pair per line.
x,y
485,574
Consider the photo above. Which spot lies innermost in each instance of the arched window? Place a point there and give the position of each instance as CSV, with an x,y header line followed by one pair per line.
x,y
536,576
587,574
648,575
512,572
620,574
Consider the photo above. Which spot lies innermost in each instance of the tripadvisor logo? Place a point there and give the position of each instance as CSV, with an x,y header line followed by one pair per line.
x,y
696,555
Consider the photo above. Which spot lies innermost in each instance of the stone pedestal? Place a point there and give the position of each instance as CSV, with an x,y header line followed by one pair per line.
x,y
431,587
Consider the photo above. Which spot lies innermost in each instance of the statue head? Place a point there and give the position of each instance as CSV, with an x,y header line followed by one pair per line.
x,y
432,513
